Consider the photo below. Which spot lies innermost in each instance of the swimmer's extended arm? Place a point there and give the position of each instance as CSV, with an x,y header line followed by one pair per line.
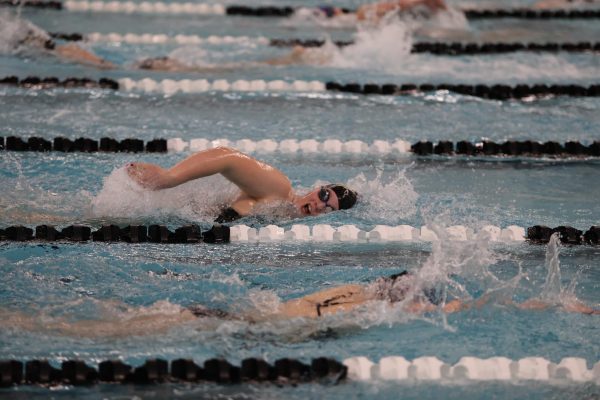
x,y
328,301
72,52
256,179
174,65
378,10
571,306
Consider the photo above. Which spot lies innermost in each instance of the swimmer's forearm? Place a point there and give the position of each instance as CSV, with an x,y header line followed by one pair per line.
x,y
75,53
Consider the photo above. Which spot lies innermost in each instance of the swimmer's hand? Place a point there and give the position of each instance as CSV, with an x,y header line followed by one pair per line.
x,y
149,176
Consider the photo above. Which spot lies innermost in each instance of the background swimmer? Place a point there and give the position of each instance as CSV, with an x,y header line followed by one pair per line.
x,y
162,316
373,12
258,182
561,4
299,55
22,36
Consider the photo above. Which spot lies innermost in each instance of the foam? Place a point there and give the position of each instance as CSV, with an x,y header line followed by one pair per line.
x,y
13,30
201,199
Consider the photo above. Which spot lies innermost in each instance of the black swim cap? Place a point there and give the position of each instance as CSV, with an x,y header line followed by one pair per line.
x,y
346,197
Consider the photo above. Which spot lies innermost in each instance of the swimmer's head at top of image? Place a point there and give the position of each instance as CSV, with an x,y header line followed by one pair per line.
x,y
329,11
326,199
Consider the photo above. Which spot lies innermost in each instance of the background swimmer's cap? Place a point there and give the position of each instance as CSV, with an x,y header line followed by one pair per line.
x,y
346,197
328,11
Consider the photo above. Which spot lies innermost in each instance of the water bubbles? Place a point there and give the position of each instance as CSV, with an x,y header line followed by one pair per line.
x,y
198,200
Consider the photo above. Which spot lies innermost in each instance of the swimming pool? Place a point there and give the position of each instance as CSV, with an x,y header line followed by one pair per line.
x,y
69,281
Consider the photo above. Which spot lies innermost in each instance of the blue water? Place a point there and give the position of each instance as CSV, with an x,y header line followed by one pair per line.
x,y
95,281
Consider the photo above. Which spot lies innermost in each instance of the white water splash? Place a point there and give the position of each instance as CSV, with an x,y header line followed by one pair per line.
x,y
394,200
375,48
305,16
13,30
552,288
201,199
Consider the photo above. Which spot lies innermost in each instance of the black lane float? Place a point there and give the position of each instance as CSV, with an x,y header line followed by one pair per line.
x,y
159,371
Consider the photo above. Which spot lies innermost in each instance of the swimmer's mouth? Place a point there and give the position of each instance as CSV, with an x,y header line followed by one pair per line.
x,y
306,209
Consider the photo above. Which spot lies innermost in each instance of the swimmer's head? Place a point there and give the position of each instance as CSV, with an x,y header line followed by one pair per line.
x,y
159,63
326,199
34,39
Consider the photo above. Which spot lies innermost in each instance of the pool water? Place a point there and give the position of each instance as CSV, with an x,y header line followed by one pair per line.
x,y
66,282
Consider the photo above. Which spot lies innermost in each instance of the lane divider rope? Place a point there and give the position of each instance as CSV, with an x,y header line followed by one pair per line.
x,y
438,48
157,371
493,92
468,369
292,371
170,87
527,148
458,48
319,233
188,8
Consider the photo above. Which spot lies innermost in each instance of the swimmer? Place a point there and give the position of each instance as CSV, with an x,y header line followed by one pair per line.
x,y
561,4
398,289
298,56
259,183
375,11
23,36
168,64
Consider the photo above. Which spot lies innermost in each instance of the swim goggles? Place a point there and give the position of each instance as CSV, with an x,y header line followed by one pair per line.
x,y
324,197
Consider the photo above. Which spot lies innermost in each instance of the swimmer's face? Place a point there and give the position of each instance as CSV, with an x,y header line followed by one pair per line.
x,y
319,201
160,63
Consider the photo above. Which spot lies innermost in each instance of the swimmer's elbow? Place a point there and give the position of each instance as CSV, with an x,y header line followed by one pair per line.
x,y
455,306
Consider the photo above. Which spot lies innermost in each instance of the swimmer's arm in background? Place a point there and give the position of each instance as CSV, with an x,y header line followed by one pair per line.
x,y
302,56
556,4
294,57
73,52
256,179
574,306
328,301
169,64
419,306
377,10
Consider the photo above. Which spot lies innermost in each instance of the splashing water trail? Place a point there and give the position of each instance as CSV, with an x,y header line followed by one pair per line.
x,y
13,30
552,290
393,201
121,197
376,48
